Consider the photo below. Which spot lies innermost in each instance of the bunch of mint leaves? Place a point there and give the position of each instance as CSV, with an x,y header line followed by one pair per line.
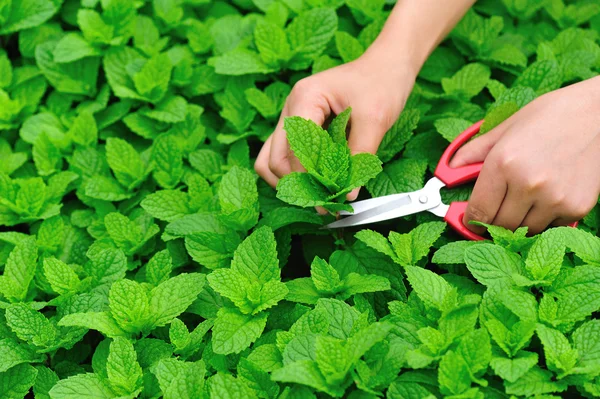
x,y
141,255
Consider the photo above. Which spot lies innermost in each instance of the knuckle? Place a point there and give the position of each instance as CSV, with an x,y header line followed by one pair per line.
x,y
534,182
505,160
578,209
557,198
260,168
302,87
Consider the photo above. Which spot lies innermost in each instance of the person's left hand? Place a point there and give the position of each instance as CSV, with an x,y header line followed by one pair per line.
x,y
541,166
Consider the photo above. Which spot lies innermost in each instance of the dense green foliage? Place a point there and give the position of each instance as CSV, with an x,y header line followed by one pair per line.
x,y
142,257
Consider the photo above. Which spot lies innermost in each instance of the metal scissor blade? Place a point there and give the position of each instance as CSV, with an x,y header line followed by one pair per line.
x,y
376,214
395,206
371,203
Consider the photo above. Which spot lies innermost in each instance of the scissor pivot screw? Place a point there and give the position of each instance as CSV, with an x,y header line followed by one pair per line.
x,y
423,199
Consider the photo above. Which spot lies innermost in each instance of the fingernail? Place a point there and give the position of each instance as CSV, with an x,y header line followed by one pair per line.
x,y
352,195
321,211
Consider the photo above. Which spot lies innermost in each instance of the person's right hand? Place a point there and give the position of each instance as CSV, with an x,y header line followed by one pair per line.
x,y
375,90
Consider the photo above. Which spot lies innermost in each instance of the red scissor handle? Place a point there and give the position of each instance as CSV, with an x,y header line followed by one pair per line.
x,y
456,176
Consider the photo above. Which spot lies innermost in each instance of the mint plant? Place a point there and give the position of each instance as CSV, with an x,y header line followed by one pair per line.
x,y
141,256
332,172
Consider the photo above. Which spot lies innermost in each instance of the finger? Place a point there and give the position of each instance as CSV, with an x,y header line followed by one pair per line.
x,y
353,195
261,165
317,110
487,197
538,219
321,211
279,163
366,133
514,208
477,149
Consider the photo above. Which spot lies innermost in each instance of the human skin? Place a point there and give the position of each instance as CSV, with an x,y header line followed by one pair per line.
x,y
541,166
376,85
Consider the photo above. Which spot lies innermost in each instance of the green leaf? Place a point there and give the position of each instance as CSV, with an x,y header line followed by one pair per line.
x,y
30,325
355,283
106,266
536,381
272,43
17,381
14,353
301,189
19,270
542,76
172,297
159,267
84,130
545,257
576,293
167,155
587,345
452,253
398,135
233,332
124,372
403,175
467,82
93,27
257,379
225,386
511,369
153,78
498,115
450,128
129,305
73,47
338,126
309,33
125,162
27,14
453,374
324,276
78,77
308,141
363,168
239,62
46,156
238,197
492,265
348,47
61,277
431,288
306,372
167,205
90,385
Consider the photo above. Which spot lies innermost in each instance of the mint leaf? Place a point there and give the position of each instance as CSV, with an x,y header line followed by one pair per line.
x,y
123,370
81,384
233,332
492,265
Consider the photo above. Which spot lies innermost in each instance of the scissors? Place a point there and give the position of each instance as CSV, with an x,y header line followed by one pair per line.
x,y
427,199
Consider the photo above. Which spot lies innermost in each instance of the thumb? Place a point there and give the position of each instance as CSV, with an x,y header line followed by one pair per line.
x,y
365,136
477,149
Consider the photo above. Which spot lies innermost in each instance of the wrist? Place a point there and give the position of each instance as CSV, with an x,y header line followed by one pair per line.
x,y
396,63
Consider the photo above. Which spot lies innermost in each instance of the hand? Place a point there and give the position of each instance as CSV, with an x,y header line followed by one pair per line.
x,y
542,165
376,92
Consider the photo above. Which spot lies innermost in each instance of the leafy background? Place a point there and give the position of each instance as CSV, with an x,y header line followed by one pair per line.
x,y
142,256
